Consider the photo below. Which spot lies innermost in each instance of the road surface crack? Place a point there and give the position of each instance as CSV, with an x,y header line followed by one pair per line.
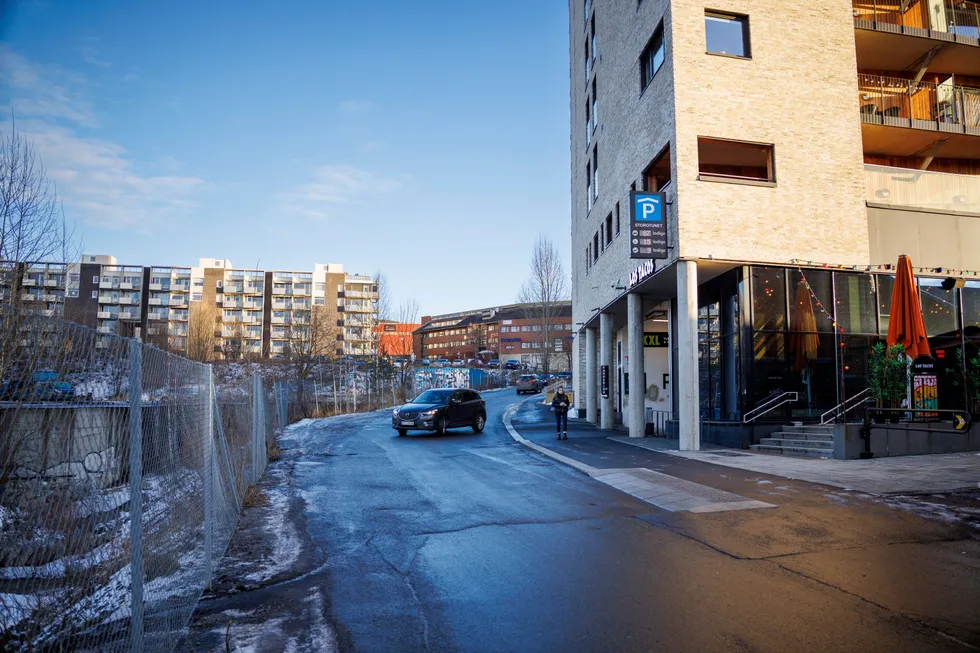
x,y
406,577
532,522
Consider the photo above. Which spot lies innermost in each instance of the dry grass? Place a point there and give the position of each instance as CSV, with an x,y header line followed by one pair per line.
x,y
254,497
272,452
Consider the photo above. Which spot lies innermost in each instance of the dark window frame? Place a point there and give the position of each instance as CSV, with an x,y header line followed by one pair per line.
x,y
743,19
654,162
769,180
648,58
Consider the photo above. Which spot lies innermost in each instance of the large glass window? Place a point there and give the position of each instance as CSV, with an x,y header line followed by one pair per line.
x,y
709,360
971,308
939,308
735,160
856,303
811,309
886,284
768,299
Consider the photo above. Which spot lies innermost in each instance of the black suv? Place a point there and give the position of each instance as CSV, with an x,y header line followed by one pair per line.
x,y
438,410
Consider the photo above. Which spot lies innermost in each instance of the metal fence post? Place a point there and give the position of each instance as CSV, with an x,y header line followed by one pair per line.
x,y
256,435
208,516
136,493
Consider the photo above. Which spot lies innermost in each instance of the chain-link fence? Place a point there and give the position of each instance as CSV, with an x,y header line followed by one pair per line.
x,y
122,474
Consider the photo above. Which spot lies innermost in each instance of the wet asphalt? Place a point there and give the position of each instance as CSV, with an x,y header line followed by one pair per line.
x,y
471,542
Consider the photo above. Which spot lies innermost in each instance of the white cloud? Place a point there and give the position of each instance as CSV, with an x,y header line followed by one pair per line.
x,y
335,185
354,108
100,183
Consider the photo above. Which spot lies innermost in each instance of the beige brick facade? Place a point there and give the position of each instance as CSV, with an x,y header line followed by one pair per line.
x,y
798,93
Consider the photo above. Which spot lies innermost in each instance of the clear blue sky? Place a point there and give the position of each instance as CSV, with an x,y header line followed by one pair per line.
x,y
427,140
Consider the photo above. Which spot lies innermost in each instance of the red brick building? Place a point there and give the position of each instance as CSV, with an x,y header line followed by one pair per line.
x,y
514,332
395,339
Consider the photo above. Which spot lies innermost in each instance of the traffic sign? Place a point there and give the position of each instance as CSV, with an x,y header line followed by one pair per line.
x,y
648,225
961,421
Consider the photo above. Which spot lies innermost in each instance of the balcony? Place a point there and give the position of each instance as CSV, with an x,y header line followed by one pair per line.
x,y
28,282
158,301
129,315
51,283
178,301
282,290
106,329
254,289
106,315
125,285
900,117
156,286
157,316
129,300
230,302
947,20
233,288
106,299
918,189
54,298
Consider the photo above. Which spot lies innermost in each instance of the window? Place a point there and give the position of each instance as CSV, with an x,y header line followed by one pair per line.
x,y
593,39
727,34
588,258
595,99
595,247
95,294
657,174
652,58
735,160
588,122
588,187
617,218
595,171
609,234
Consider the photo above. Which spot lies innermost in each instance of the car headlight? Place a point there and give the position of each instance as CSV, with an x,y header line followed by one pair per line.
x,y
394,413
430,413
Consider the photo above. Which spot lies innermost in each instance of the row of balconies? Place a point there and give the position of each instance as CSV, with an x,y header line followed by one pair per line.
x,y
47,283
179,300
41,297
173,286
116,284
957,20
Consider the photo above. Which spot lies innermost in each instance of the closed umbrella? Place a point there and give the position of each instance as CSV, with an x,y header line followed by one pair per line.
x,y
804,340
905,325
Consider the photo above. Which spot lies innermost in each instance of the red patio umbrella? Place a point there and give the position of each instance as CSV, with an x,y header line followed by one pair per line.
x,y
905,326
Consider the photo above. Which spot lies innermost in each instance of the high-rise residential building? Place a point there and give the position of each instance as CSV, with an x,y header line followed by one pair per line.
x,y
777,156
233,313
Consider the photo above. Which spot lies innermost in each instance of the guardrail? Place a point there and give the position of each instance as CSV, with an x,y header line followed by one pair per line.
x,y
770,405
961,421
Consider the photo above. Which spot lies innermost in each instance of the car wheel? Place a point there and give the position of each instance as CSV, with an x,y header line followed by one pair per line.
x,y
442,425
480,422
402,432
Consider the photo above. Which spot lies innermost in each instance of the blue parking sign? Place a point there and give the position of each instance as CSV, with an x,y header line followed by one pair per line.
x,y
648,226
648,207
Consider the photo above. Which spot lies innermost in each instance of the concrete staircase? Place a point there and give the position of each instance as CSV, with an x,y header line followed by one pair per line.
x,y
811,441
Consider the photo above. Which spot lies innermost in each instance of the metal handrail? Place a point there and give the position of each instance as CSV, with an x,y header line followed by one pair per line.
x,y
844,408
769,405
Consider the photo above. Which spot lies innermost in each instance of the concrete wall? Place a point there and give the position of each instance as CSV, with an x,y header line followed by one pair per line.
x,y
797,92
930,239
903,440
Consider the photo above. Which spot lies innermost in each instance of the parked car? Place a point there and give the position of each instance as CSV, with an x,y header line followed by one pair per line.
x,y
474,362
41,386
546,379
565,376
439,410
512,365
528,383
441,362
424,362
459,363
493,363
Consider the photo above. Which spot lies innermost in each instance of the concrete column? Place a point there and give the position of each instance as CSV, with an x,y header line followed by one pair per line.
x,y
634,320
686,378
591,378
606,344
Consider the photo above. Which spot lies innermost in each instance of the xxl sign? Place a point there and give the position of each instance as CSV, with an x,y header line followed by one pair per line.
x,y
648,225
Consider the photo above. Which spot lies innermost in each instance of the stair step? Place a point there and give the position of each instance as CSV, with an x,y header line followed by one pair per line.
x,y
785,435
797,443
812,430
801,452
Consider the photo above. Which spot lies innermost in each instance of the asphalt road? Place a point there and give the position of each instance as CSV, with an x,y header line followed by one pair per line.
x,y
470,542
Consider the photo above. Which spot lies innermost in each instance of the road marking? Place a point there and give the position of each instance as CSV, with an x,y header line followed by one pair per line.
x,y
661,490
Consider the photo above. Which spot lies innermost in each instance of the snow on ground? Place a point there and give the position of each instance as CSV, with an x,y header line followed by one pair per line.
x,y
306,631
281,532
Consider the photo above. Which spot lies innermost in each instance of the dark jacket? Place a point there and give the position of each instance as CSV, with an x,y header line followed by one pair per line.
x,y
557,402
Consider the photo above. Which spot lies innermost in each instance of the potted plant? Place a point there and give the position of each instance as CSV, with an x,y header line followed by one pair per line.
x,y
972,382
888,377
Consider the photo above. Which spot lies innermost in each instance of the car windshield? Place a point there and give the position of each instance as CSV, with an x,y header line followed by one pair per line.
x,y
433,397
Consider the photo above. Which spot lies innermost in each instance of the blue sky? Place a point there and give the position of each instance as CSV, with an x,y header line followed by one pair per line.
x,y
427,140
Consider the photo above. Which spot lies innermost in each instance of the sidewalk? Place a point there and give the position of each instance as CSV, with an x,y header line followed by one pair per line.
x,y
589,446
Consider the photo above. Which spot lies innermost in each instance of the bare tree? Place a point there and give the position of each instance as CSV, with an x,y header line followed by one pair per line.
x,y
202,331
309,349
544,293
32,220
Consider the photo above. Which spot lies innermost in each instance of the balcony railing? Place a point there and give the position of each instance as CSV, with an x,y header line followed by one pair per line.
x,y
923,105
960,19
919,189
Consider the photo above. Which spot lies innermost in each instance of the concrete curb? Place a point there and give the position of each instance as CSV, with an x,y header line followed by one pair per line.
x,y
544,451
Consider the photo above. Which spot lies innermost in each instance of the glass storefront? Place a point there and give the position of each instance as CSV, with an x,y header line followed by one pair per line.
x,y
764,330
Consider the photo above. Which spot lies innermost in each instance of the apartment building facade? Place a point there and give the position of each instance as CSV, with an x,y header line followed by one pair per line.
x,y
234,313
793,151
512,332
